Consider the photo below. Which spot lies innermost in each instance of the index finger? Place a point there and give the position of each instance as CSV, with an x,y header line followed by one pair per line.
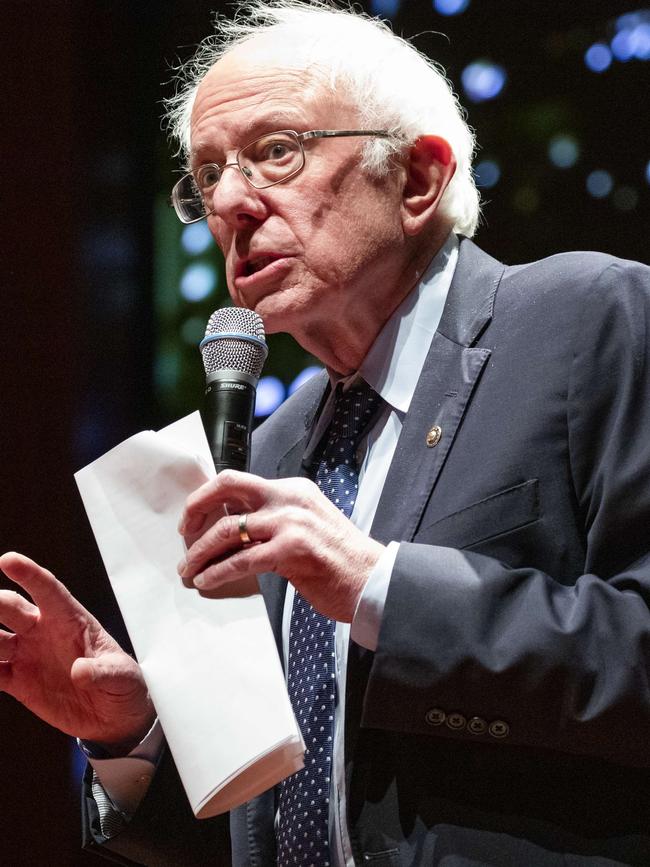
x,y
42,586
229,488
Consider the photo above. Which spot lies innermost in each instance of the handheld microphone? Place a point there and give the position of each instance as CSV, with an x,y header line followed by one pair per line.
x,y
234,351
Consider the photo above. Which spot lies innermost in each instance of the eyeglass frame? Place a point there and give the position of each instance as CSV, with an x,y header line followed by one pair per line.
x,y
300,138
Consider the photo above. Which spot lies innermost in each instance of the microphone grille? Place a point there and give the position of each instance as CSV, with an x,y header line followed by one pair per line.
x,y
242,346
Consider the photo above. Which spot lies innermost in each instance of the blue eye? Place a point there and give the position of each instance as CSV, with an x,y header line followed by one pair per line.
x,y
207,177
277,148
276,151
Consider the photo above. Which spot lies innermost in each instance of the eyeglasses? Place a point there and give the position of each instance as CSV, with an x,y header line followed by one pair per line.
x,y
269,160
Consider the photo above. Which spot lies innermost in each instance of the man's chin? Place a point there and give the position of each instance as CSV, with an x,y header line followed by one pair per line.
x,y
275,322
277,312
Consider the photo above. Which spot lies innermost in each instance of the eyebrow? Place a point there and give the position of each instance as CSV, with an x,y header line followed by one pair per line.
x,y
272,122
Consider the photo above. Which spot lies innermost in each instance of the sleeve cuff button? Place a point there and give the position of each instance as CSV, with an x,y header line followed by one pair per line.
x,y
456,721
477,726
499,729
435,716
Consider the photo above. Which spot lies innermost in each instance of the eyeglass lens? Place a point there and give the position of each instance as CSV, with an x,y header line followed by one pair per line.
x,y
264,162
188,201
271,158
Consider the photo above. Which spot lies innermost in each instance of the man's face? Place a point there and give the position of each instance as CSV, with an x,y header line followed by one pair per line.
x,y
323,245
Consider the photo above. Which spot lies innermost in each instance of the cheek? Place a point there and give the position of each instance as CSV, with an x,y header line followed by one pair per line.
x,y
219,232
368,229
223,240
344,243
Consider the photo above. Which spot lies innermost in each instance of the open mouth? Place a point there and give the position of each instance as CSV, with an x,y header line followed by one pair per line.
x,y
269,263
252,266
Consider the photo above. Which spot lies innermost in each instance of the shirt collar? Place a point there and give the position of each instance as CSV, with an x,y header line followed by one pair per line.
x,y
395,361
396,358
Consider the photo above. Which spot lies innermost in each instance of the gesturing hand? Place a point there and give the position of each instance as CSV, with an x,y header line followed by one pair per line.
x,y
61,664
296,531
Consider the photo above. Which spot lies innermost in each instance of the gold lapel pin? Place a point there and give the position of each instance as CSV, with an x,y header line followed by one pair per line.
x,y
433,436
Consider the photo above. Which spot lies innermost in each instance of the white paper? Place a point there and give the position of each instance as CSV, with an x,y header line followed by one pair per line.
x,y
211,665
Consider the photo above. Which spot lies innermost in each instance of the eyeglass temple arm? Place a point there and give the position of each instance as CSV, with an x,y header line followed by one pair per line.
x,y
334,133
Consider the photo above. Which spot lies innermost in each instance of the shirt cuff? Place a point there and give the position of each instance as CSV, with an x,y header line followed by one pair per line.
x,y
366,622
126,780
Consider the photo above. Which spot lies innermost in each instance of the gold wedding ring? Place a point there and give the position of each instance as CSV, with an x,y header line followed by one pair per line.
x,y
243,532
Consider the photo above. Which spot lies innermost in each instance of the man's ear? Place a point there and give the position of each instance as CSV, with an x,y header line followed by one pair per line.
x,y
430,166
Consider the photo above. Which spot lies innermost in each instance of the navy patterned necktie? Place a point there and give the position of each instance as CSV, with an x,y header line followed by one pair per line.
x,y
302,834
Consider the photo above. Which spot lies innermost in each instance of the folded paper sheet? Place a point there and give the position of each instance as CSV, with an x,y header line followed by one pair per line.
x,y
211,665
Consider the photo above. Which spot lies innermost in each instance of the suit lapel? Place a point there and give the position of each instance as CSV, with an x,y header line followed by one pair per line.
x,y
443,392
290,464
290,461
445,387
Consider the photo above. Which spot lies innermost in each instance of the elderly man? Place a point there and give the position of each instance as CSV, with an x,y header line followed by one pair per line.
x,y
465,565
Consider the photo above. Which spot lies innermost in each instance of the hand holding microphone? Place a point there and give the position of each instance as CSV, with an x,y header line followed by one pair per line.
x,y
234,352
286,526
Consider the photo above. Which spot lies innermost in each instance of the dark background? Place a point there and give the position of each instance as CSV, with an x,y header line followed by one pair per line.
x,y
83,161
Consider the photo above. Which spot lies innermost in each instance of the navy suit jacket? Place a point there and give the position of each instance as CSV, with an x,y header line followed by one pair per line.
x,y
505,716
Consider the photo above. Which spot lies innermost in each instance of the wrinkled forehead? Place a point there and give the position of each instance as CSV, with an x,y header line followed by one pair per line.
x,y
262,75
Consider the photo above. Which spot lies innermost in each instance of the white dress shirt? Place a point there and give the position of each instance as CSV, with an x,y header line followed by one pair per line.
x,y
392,367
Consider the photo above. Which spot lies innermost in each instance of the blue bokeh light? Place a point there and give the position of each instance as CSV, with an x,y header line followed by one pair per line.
x,y
198,281
385,8
483,80
563,151
629,20
598,58
270,394
450,7
623,45
642,41
303,376
487,174
599,183
196,238
647,172
632,39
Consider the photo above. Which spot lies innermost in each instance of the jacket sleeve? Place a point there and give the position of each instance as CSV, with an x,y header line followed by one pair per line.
x,y
163,832
535,659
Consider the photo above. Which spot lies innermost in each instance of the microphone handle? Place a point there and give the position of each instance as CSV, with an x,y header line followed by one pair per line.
x,y
228,418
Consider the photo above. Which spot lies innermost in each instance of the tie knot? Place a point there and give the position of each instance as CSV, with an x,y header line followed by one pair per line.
x,y
353,412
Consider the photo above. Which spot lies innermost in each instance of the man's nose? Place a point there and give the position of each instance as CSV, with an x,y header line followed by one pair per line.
x,y
235,200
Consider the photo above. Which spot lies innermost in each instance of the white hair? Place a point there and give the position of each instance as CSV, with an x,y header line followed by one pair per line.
x,y
391,83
